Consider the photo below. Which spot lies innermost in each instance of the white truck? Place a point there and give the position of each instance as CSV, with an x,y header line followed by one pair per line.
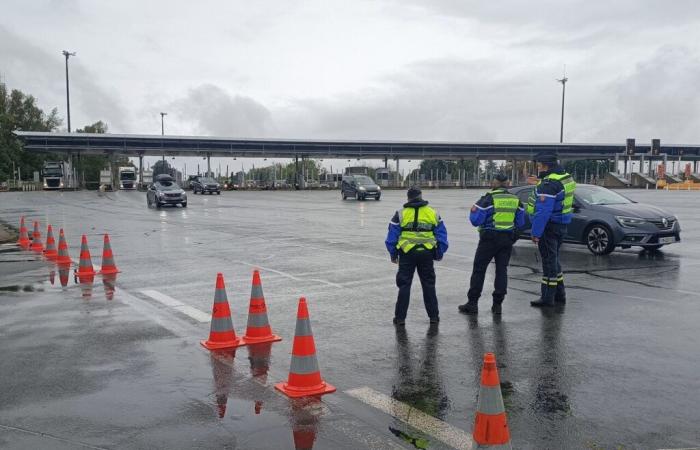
x,y
147,177
127,177
56,175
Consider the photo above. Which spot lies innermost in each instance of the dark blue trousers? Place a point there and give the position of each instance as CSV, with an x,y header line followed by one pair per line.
x,y
420,260
552,275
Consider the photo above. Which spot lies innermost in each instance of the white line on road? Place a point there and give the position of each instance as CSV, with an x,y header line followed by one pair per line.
x,y
290,276
444,432
177,305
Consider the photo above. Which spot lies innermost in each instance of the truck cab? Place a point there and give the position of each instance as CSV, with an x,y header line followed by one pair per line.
x,y
55,175
127,178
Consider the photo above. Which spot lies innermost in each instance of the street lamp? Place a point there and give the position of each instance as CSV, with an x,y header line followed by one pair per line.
x,y
68,54
162,131
563,93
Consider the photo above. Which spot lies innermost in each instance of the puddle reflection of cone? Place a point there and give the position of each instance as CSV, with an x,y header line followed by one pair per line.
x,y
258,329
304,374
37,246
108,266
222,369
23,241
490,424
109,281
259,357
63,258
63,274
50,252
85,268
305,421
86,282
221,334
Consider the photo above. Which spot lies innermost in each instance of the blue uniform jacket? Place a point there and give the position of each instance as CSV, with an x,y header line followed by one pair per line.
x,y
394,233
549,202
481,214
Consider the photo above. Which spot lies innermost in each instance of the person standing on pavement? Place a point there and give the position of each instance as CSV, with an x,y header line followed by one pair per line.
x,y
417,236
497,215
550,207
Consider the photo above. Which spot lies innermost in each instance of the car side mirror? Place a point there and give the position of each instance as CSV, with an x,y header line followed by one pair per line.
x,y
577,206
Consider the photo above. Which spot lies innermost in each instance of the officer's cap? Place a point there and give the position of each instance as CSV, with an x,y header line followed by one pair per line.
x,y
502,177
546,157
414,192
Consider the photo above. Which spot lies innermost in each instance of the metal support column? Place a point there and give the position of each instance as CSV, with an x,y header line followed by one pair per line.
x,y
208,164
513,172
617,163
398,175
140,184
296,172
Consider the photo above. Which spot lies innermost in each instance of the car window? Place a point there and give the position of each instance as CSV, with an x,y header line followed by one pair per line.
x,y
596,195
363,180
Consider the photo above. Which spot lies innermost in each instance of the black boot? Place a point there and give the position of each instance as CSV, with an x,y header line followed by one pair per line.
x,y
470,307
560,300
540,303
496,308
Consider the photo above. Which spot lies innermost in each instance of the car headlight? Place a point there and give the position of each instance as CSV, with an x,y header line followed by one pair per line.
x,y
184,195
379,188
630,221
362,188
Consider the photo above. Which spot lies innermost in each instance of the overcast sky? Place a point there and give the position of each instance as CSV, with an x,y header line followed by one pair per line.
x,y
456,70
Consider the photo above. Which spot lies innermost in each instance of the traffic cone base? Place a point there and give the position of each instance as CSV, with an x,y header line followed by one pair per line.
x,y
23,241
304,374
63,258
108,266
490,424
258,330
85,268
221,335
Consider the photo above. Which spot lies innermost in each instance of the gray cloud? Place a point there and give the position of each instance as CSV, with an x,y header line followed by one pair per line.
x,y
27,67
213,111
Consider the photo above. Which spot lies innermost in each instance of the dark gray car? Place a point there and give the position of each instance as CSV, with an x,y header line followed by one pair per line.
x,y
603,219
360,187
165,191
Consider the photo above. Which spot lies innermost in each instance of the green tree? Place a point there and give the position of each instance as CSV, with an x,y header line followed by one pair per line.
x,y
19,111
89,166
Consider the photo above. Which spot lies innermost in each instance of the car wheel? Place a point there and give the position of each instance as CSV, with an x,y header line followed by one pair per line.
x,y
218,192
357,196
184,205
653,248
342,194
599,239
378,197
158,205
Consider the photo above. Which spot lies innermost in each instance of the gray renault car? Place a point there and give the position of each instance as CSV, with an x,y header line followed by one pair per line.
x,y
360,187
603,220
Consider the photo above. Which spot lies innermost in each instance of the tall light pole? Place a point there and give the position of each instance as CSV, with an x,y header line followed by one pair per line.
x,y
68,54
162,131
563,93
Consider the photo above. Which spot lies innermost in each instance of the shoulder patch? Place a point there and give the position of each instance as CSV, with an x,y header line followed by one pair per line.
x,y
542,198
473,209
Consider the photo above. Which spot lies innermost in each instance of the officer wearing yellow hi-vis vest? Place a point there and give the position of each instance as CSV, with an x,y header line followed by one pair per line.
x,y
497,215
550,207
417,236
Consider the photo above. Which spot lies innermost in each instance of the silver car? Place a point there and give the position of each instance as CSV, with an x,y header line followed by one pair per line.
x,y
165,191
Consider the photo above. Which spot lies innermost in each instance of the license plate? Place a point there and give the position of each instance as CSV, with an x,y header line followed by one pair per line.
x,y
667,240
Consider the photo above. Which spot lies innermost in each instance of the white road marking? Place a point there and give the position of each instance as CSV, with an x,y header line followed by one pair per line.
x,y
290,276
177,305
444,432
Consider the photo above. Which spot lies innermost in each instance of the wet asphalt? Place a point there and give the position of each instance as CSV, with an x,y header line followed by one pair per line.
x,y
107,366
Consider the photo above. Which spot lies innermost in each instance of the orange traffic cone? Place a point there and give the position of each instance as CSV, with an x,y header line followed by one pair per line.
x,y
63,258
108,266
85,268
37,246
306,415
490,425
50,252
304,374
258,329
23,241
221,335
259,357
108,282
222,368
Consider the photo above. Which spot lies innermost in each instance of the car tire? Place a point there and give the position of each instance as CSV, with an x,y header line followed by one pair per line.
x,y
378,197
357,196
184,205
158,205
599,239
342,194
653,248
218,192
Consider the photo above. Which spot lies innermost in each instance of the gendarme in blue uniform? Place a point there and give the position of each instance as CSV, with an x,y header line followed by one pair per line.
x,y
550,210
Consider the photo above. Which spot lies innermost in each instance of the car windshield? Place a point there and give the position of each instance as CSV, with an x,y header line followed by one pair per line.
x,y
595,195
53,172
168,186
207,180
363,180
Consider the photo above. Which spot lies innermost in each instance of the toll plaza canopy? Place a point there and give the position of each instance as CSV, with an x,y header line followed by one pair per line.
x,y
203,146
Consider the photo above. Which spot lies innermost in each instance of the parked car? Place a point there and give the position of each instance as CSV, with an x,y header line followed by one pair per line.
x,y
205,185
603,220
165,191
359,187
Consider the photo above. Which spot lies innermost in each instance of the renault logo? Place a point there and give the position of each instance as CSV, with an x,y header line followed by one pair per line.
x,y
664,221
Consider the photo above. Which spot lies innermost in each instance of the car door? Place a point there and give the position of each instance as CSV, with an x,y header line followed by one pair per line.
x,y
579,221
523,196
